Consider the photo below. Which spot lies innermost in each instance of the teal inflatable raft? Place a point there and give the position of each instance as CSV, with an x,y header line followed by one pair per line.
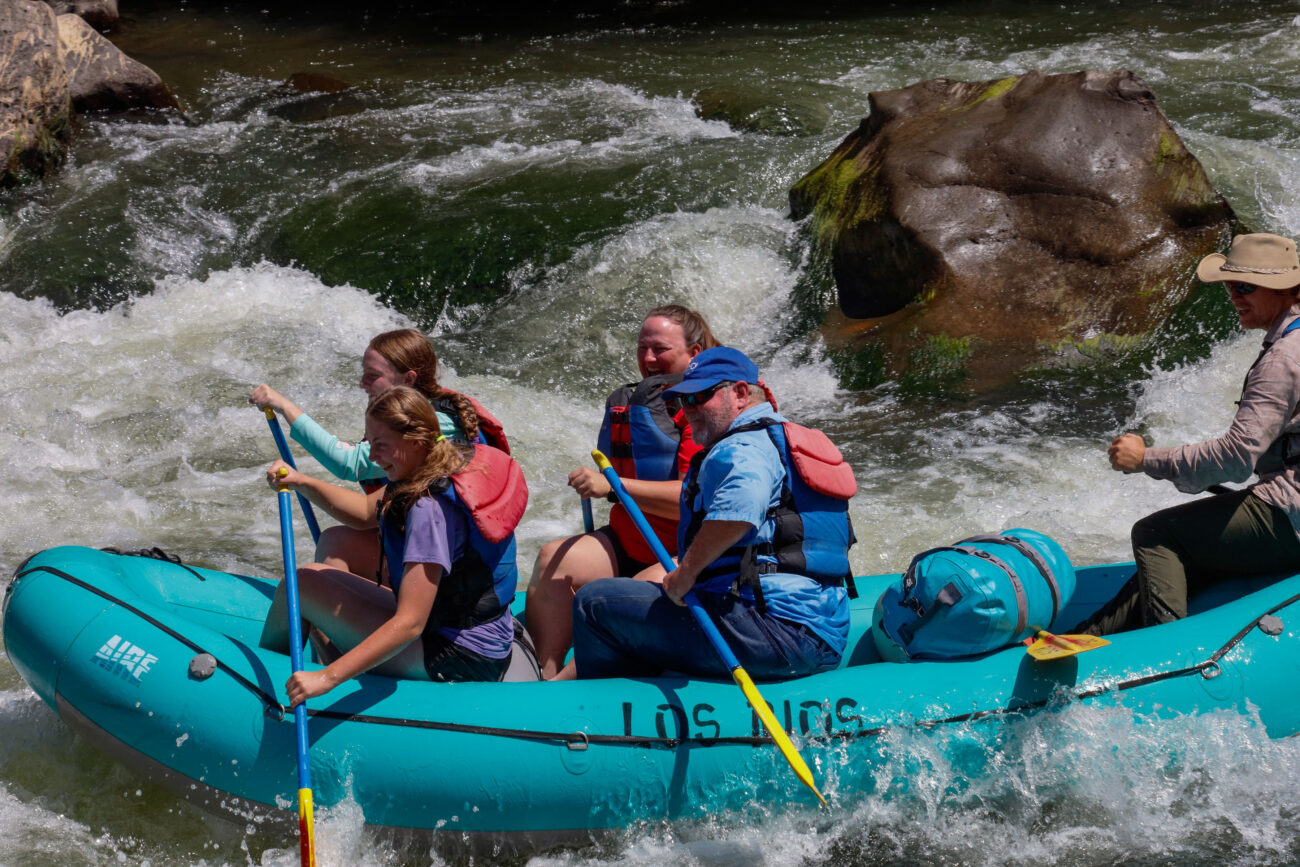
x,y
157,664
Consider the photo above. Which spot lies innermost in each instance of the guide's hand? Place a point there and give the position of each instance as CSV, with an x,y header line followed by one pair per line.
x,y
1126,453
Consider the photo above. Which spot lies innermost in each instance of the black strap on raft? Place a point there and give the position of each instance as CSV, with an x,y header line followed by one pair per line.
x,y
154,553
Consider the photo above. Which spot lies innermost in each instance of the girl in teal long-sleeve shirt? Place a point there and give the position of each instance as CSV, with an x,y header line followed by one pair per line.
x,y
401,357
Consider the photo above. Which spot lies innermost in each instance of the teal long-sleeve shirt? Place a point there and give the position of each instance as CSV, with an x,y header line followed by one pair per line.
x,y
351,461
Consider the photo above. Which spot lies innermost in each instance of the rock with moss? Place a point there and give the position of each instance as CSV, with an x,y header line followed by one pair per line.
x,y
35,111
989,226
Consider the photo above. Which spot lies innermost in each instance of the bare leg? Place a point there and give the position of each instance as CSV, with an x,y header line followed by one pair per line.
x,y
653,573
562,567
355,551
346,608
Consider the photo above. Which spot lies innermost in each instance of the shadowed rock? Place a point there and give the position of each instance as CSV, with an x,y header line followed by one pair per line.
x,y
100,14
34,103
1008,223
323,96
102,78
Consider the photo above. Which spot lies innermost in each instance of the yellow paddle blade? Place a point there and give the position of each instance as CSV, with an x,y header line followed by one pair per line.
x,y
764,712
1049,646
306,834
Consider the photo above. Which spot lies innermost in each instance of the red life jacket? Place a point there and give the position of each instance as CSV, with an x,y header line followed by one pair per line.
x,y
490,430
492,488
643,437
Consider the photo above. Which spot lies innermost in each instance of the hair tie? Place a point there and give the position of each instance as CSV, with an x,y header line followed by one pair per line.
x,y
440,438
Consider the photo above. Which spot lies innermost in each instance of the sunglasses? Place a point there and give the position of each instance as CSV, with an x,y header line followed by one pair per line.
x,y
698,397
1239,288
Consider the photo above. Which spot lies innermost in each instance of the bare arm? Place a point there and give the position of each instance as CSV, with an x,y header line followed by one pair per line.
x,y
714,538
414,603
655,498
353,508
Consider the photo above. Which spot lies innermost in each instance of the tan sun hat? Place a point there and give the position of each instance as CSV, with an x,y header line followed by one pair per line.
x,y
1260,259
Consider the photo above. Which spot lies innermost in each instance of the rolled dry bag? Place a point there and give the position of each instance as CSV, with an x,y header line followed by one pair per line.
x,y
979,595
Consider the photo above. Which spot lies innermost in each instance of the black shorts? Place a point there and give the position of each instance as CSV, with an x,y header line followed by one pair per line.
x,y
445,661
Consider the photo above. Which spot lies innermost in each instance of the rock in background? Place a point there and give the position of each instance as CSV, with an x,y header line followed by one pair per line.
x,y
100,14
983,227
102,78
35,109
51,66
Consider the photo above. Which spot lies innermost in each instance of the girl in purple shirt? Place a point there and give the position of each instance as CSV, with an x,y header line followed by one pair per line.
x,y
367,627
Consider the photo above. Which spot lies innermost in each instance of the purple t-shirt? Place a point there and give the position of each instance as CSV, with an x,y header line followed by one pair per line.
x,y
437,532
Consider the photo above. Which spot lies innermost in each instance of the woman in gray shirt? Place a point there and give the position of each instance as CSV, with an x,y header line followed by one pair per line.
x,y
1253,530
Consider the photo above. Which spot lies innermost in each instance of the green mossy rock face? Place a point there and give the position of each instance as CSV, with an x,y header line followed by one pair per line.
x,y
986,227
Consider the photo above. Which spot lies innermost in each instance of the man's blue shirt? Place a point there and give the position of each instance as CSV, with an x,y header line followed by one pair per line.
x,y
741,480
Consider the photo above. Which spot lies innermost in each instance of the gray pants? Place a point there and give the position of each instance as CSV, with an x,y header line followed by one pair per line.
x,y
1186,548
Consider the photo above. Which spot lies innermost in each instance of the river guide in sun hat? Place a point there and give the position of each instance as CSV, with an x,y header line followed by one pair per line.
x,y
1186,549
1260,259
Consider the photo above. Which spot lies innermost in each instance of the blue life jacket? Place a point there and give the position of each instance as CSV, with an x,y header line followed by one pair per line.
x,y
481,583
807,533
638,434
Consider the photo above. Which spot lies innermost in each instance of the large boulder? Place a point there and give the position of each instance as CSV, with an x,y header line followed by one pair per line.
x,y
100,14
101,77
35,111
998,224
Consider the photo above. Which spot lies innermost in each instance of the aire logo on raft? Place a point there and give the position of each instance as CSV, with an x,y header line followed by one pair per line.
x,y
124,658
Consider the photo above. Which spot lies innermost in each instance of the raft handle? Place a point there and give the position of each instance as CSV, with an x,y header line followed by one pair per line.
x,y
1211,670
578,741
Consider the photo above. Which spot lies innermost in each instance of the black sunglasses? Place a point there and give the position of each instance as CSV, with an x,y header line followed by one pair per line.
x,y
1240,288
696,398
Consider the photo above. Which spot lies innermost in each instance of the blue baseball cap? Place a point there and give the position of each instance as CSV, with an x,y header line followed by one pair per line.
x,y
719,364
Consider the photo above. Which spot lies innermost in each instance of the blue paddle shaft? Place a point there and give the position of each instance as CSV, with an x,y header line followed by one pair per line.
x,y
287,457
295,630
666,560
588,522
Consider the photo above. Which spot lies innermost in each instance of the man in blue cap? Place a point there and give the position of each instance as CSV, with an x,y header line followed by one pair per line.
x,y
764,548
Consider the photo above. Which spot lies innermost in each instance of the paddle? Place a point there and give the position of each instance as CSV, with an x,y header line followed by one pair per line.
x,y
1049,646
287,457
738,674
306,837
588,522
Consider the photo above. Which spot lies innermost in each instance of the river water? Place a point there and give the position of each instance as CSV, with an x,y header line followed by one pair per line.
x,y
523,190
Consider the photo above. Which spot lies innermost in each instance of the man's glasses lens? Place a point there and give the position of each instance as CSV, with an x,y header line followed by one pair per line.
x,y
1241,288
699,397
